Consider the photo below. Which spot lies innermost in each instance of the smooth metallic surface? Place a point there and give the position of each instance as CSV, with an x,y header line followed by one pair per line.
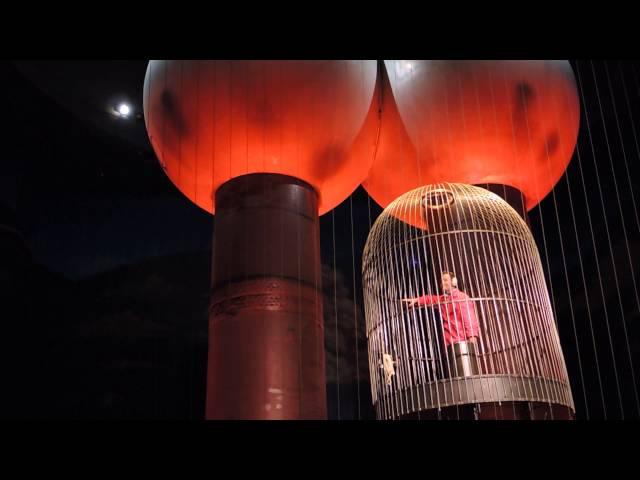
x,y
210,121
508,122
463,360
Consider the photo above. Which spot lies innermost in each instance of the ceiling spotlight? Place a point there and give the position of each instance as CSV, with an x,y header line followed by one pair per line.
x,y
124,109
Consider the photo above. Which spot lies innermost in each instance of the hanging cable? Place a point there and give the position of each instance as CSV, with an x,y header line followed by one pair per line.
x,y
355,306
566,271
635,138
624,231
582,268
593,156
335,303
626,237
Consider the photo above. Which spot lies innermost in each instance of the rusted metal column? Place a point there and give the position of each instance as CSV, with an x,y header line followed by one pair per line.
x,y
266,335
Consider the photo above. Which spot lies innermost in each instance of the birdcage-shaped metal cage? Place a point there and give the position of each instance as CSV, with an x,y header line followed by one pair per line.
x,y
489,340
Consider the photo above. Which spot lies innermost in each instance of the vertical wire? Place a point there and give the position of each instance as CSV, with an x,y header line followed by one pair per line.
x,y
495,126
559,356
381,322
409,338
231,82
385,339
410,317
197,128
504,240
385,343
422,340
586,113
624,228
371,290
526,252
522,100
544,235
246,115
635,139
430,321
543,320
481,293
399,278
491,325
437,325
213,132
459,192
551,341
355,306
164,120
375,320
195,197
582,269
518,349
566,271
440,269
335,306
486,332
514,347
464,128
180,62
515,151
373,371
430,390
388,330
508,354
555,204
450,140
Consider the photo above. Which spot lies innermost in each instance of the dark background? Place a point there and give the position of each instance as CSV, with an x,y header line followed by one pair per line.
x,y
105,266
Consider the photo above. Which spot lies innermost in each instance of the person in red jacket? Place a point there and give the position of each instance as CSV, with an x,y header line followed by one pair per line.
x,y
459,324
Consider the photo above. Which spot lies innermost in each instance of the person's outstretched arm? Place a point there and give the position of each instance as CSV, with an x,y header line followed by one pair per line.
x,y
423,300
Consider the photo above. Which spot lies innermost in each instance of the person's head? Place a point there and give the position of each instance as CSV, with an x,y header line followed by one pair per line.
x,y
449,281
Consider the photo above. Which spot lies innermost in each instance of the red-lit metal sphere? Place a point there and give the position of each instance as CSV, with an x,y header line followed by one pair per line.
x,y
211,121
504,122
383,141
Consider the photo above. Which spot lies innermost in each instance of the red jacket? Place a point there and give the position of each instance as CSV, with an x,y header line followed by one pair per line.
x,y
459,320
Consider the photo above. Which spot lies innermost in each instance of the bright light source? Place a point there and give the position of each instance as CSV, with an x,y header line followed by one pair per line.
x,y
124,109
